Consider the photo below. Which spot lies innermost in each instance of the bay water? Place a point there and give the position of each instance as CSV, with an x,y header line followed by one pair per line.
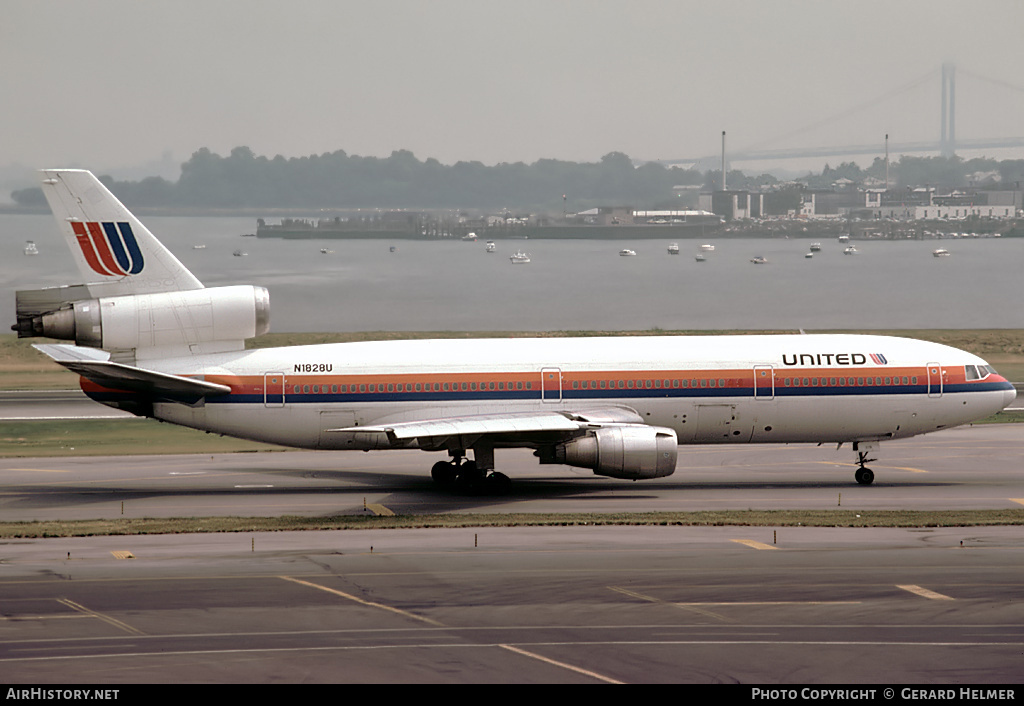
x,y
362,285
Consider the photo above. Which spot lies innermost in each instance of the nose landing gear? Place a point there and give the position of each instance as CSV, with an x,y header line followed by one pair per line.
x,y
863,474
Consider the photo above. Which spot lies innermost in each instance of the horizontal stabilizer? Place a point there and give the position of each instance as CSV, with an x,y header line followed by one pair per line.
x,y
95,366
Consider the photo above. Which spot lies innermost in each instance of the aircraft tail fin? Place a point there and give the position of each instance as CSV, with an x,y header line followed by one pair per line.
x,y
113,250
139,302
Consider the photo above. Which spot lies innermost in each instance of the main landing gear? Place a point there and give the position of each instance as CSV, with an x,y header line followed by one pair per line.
x,y
470,476
863,474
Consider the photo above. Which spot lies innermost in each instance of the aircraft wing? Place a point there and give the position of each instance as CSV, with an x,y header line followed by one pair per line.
x,y
94,365
477,425
439,427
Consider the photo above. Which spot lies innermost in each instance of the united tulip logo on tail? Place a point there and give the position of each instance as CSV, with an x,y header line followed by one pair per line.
x,y
109,248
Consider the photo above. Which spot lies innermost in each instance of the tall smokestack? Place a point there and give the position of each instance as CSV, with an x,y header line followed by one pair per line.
x,y
723,160
886,161
952,111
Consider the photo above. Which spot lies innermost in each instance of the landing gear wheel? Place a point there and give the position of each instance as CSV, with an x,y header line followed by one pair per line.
x,y
498,483
864,476
465,476
444,473
469,475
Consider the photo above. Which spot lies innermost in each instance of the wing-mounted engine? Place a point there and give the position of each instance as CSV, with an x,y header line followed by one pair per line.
x,y
630,452
207,320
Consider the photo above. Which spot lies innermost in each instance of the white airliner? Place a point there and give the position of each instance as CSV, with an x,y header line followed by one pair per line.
x,y
149,338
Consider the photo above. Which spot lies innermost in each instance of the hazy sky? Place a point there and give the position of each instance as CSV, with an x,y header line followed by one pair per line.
x,y
109,83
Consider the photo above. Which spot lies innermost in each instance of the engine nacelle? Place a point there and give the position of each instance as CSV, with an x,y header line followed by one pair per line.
x,y
630,452
140,321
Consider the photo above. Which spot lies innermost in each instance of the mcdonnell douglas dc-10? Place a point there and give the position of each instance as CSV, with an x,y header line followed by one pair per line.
x,y
151,339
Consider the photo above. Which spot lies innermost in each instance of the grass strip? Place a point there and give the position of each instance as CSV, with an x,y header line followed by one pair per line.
x,y
723,518
113,437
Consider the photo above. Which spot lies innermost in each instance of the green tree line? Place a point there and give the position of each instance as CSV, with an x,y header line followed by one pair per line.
x,y
339,180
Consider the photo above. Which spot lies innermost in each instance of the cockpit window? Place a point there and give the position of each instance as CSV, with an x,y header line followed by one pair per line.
x,y
978,372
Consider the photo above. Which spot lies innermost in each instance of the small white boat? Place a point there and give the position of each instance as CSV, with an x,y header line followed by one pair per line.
x,y
491,247
199,247
707,247
626,252
815,247
850,251
844,238
673,249
30,248
941,252
469,236
758,260
701,258
809,255
239,253
519,258
393,248
325,251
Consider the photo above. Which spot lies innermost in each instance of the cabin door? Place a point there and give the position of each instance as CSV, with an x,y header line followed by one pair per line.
x,y
551,385
273,389
936,378
764,382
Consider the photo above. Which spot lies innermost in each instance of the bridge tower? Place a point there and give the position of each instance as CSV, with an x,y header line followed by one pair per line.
x,y
947,141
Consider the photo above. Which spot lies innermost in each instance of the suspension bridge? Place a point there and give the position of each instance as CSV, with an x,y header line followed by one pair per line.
x,y
947,143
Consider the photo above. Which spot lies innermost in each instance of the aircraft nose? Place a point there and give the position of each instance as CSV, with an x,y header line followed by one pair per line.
x,y
1008,396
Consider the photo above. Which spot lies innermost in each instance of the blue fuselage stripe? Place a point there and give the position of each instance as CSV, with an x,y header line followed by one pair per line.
x,y
570,396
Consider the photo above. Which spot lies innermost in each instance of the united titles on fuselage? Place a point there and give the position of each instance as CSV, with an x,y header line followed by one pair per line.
x,y
824,359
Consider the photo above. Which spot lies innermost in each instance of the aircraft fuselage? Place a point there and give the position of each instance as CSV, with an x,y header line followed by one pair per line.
x,y
711,389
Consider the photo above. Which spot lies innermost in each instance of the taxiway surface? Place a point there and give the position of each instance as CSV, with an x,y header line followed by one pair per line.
x,y
515,605
977,467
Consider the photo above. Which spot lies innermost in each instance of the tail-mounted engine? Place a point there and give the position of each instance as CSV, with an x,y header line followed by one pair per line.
x,y
166,320
630,452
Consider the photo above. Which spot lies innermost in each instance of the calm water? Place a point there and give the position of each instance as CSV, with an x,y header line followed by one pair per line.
x,y
577,285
